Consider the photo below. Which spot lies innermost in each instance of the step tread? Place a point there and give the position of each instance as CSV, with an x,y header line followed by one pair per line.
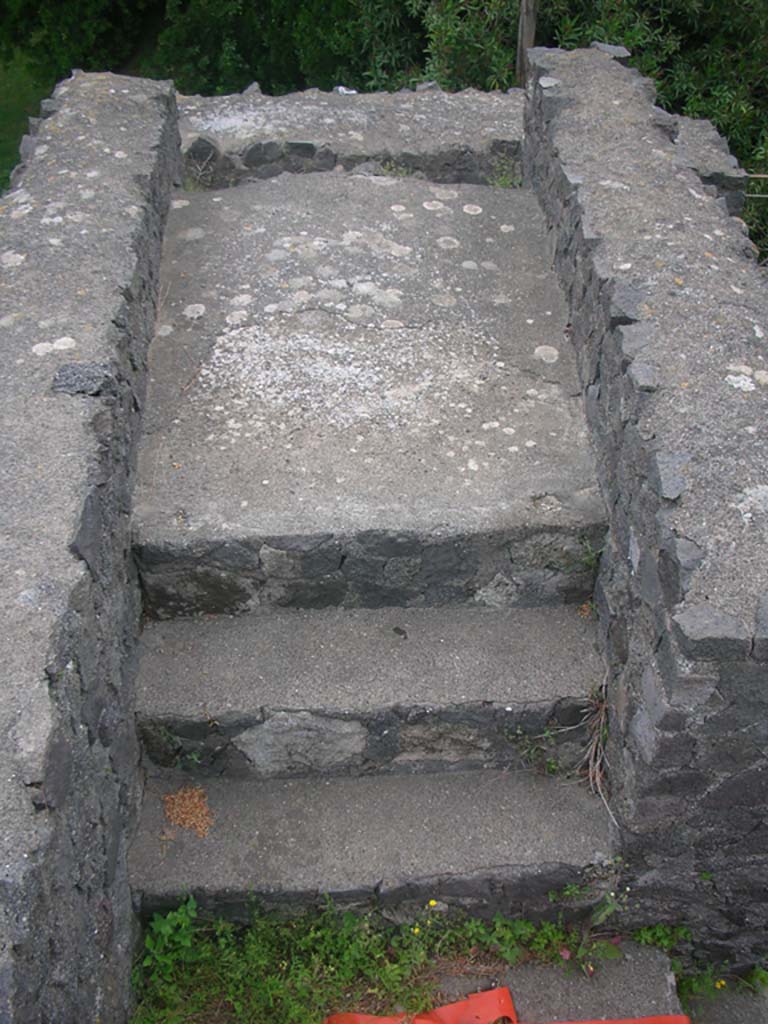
x,y
351,126
364,835
359,660
294,404
640,984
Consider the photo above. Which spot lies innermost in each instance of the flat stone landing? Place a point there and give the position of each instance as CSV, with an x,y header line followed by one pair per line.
x,y
338,354
466,136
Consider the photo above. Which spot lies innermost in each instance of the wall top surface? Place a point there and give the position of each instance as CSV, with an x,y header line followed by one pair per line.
x,y
683,282
71,229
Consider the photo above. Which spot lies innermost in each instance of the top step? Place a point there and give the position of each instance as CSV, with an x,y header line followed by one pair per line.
x,y
469,136
362,394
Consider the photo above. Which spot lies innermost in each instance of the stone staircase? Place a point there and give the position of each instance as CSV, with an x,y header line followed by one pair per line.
x,y
366,525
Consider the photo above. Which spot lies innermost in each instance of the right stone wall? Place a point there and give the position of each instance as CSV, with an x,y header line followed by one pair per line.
x,y
669,317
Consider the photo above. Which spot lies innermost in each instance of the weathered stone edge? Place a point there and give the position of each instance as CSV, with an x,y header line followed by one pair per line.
x,y
279,742
525,566
507,889
66,936
209,163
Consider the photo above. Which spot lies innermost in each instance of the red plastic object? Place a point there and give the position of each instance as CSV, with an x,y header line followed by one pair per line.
x,y
481,1008
484,1008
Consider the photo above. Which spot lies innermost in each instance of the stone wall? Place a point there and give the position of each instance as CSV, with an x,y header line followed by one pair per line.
x,y
670,321
81,233
669,316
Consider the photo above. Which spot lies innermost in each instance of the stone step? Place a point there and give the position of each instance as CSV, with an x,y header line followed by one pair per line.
x,y
366,690
468,136
640,984
362,393
485,840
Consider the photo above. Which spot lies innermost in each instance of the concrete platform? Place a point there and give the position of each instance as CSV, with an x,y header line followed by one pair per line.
x,y
484,840
362,394
296,692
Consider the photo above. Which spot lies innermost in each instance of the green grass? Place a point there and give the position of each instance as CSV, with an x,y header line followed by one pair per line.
x,y
20,96
300,970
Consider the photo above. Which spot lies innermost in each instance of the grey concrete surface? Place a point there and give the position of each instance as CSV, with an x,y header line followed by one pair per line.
x,y
641,984
342,354
365,660
79,252
366,690
466,136
489,840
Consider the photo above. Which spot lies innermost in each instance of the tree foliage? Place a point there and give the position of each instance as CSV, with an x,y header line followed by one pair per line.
x,y
707,60
56,36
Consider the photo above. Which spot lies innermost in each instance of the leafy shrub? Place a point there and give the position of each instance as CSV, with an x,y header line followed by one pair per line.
x,y
220,46
469,42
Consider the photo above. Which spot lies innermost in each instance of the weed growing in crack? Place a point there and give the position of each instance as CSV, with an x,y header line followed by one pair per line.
x,y
505,174
590,556
537,752
662,936
395,170
569,893
594,763
711,980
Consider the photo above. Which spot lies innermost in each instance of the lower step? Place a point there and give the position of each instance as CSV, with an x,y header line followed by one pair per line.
x,y
361,691
487,841
639,984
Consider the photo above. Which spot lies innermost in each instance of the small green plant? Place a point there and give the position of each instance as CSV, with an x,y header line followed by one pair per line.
x,y
395,170
537,751
704,983
590,556
570,892
189,759
757,979
505,174
663,936
169,947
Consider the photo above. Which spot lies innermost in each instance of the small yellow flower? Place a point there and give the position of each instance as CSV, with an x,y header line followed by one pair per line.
x,y
720,983
416,930
432,903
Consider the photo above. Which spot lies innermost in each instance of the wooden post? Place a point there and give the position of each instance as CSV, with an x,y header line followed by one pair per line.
x,y
526,37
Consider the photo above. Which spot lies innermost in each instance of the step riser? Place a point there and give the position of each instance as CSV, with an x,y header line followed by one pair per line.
x,y
524,893
284,743
370,570
206,167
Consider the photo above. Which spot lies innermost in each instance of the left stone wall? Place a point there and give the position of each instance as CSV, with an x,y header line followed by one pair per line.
x,y
80,241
